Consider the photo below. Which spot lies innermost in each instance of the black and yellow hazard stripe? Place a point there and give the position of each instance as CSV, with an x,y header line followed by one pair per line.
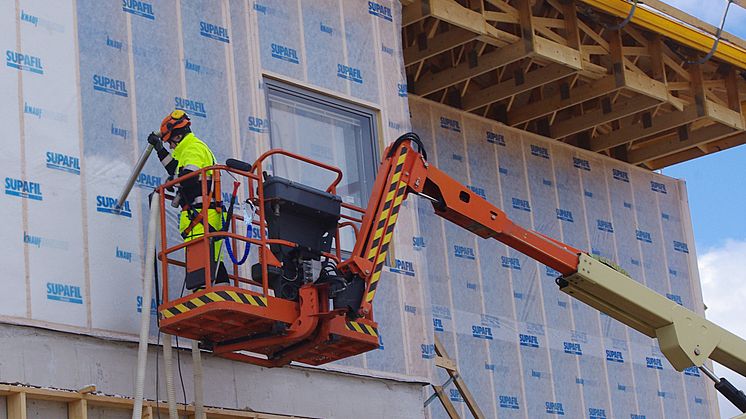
x,y
362,328
214,297
386,223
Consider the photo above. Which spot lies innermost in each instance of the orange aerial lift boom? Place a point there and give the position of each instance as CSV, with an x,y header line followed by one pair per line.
x,y
318,318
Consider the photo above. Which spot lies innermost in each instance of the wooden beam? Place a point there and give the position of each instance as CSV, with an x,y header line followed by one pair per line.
x,y
572,30
597,117
723,114
557,102
446,402
675,143
553,51
679,157
458,15
414,12
506,89
16,404
434,82
77,409
469,399
640,130
437,45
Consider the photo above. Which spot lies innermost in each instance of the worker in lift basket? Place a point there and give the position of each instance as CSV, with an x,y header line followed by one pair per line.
x,y
190,154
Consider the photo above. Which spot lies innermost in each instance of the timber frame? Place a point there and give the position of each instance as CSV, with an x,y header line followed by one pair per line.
x,y
80,402
561,69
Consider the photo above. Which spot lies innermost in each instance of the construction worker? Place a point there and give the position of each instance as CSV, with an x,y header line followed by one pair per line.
x,y
190,154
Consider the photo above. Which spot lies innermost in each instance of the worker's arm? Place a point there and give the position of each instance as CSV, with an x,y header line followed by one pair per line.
x,y
167,160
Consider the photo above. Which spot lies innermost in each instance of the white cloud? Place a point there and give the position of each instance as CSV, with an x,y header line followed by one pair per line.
x,y
722,272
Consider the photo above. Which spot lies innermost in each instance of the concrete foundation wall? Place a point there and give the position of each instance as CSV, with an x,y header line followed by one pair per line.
x,y
54,359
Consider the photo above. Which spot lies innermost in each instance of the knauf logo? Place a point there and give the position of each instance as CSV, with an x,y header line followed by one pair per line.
x,y
31,240
113,43
29,18
349,73
620,175
471,286
614,356
529,341
581,164
521,204
410,309
64,292
153,306
658,187
108,205
577,336
494,138
627,205
402,267
438,324
442,312
672,272
479,191
260,8
450,124
109,85
539,151
119,132
63,162
481,332
546,182
535,374
509,402
192,66
457,157
138,8
147,181
699,400
380,10
427,351
511,263
588,193
643,236
596,413
554,408
401,89
395,126
691,371
23,189
258,124
284,53
564,215
653,363
665,216
675,298
680,247
218,33
455,396
488,320
604,225
418,242
489,367
192,107
662,394
635,262
572,348
325,28
23,62
503,171
123,254
463,252
32,110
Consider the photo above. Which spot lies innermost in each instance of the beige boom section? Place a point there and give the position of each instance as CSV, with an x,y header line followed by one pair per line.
x,y
575,71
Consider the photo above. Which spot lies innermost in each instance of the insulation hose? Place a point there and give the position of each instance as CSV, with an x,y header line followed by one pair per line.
x,y
147,287
168,359
199,410
226,221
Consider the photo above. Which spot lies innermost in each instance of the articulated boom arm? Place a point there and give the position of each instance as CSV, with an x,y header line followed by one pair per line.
x,y
685,337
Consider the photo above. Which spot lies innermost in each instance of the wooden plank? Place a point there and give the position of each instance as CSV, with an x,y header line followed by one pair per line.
x,y
558,53
437,45
554,103
471,403
456,14
446,402
637,131
77,409
675,144
434,82
506,89
724,115
414,12
445,363
685,155
597,117
16,404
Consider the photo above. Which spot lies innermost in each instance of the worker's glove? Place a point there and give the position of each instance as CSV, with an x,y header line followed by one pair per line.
x,y
155,141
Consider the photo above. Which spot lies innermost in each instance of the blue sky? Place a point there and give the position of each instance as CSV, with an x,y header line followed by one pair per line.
x,y
717,199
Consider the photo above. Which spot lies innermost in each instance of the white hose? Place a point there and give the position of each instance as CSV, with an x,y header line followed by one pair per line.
x,y
169,371
199,412
147,288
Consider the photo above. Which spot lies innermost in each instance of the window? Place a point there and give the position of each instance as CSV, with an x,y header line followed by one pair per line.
x,y
327,130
